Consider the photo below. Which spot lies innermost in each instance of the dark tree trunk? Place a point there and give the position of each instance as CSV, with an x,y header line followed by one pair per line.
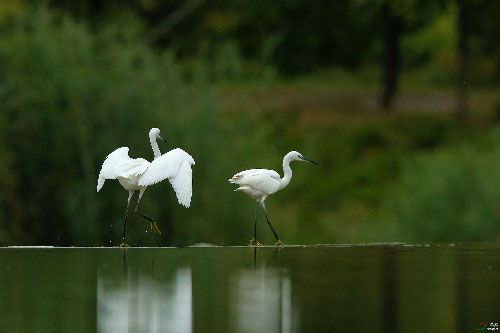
x,y
463,50
393,25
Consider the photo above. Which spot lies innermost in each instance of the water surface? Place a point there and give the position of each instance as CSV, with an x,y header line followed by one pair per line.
x,y
363,288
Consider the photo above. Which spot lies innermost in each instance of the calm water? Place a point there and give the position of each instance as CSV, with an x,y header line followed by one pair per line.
x,y
372,288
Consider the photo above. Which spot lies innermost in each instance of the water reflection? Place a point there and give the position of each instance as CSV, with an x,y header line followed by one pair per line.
x,y
262,301
139,303
380,288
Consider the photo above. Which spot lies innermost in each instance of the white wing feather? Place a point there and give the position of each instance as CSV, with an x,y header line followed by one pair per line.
x,y
176,166
119,164
131,168
267,181
183,184
108,167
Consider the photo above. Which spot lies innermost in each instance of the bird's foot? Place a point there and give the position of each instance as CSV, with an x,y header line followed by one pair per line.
x,y
279,243
154,228
254,242
123,244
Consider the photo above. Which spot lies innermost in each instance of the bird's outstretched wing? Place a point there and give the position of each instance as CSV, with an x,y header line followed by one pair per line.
x,y
134,167
176,166
243,177
183,184
119,164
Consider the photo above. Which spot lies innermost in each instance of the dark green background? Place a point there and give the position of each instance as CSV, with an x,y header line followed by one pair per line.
x,y
239,84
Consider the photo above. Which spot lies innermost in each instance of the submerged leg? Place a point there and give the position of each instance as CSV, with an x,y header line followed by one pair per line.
x,y
254,241
278,243
154,226
130,194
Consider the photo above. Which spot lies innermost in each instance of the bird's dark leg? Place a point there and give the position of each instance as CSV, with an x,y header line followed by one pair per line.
x,y
254,241
278,243
130,194
154,226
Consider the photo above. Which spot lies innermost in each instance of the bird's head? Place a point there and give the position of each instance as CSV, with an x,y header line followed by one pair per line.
x,y
296,156
155,134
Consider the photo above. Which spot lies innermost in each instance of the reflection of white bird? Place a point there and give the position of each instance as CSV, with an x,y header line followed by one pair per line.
x,y
259,183
136,174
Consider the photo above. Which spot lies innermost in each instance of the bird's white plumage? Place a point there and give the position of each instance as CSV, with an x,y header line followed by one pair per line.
x,y
257,182
260,183
137,174
165,166
176,166
119,165
108,167
134,167
182,184
134,174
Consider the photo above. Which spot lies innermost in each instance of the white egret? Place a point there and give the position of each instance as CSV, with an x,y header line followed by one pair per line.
x,y
259,183
136,174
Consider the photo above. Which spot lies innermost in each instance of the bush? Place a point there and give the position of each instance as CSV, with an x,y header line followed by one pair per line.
x,y
448,196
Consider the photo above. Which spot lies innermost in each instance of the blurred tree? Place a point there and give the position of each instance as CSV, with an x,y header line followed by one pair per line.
x,y
10,8
174,18
74,102
63,109
299,36
483,22
400,17
392,31
478,48
463,58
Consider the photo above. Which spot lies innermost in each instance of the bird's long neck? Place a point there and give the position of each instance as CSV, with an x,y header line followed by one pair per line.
x,y
287,172
154,145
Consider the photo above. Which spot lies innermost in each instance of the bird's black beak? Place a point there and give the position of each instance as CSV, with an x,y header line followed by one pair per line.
x,y
161,137
307,160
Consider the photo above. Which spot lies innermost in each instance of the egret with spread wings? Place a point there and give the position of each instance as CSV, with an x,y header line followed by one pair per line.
x,y
136,174
259,183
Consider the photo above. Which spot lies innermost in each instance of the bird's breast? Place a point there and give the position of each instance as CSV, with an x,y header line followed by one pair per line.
x,y
251,192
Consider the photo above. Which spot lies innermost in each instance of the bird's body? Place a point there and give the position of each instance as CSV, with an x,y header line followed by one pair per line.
x,y
257,183
118,165
260,183
136,174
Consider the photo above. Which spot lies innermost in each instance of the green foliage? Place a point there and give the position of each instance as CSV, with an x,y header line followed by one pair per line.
x,y
303,36
228,63
361,161
448,196
434,45
69,97
71,93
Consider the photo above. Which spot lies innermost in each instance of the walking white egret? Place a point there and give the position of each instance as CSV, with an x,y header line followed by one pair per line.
x,y
259,183
136,174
